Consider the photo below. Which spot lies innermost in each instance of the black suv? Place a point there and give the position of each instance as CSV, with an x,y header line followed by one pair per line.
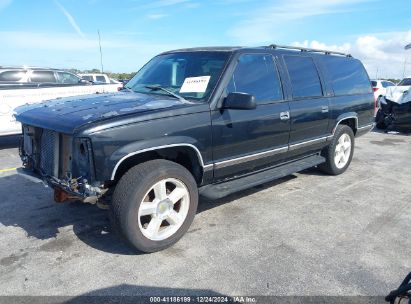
x,y
207,121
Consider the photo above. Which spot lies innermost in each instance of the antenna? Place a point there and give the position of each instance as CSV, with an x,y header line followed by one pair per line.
x,y
101,53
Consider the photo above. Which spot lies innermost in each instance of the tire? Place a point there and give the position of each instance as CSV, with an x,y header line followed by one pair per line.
x,y
380,120
147,211
337,164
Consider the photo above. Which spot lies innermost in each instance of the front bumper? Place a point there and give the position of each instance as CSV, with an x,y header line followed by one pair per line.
x,y
66,190
392,115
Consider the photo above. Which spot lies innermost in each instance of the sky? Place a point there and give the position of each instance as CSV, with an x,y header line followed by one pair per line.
x,y
63,33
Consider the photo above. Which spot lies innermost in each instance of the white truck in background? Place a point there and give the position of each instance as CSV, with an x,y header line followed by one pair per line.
x,y
99,78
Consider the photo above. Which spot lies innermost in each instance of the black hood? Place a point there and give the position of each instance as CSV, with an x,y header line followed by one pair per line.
x,y
67,114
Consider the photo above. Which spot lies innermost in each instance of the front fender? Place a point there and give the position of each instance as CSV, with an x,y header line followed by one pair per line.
x,y
135,148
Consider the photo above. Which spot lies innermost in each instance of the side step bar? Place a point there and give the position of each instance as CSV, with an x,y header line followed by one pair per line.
x,y
219,190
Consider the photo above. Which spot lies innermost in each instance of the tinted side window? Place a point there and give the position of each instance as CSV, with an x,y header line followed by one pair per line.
x,y
12,75
88,78
387,84
100,79
256,74
67,78
42,76
348,75
304,77
374,83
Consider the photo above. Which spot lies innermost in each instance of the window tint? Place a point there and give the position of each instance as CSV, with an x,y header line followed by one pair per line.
x,y
374,83
387,84
42,76
257,75
348,75
88,78
67,78
303,76
405,82
12,75
100,79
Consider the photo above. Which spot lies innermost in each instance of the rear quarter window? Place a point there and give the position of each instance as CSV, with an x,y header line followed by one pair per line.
x,y
12,75
100,79
347,75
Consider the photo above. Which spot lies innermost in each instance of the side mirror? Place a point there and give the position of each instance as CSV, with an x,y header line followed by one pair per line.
x,y
239,101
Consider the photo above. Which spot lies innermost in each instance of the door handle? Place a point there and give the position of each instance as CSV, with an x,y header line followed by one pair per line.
x,y
324,109
285,115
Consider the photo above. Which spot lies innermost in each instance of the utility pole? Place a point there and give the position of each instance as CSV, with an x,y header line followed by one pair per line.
x,y
407,47
403,70
101,53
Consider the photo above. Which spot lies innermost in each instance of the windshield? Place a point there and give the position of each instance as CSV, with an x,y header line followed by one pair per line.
x,y
405,82
192,75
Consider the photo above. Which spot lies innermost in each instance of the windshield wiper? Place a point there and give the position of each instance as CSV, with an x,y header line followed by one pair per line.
x,y
128,89
157,87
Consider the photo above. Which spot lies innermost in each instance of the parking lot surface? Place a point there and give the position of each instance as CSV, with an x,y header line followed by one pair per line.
x,y
306,234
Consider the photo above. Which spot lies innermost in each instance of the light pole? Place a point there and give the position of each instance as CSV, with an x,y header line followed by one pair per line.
x,y
101,53
407,47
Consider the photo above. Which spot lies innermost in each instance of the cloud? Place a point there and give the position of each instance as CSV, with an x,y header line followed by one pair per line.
x,y
156,16
382,54
70,19
263,24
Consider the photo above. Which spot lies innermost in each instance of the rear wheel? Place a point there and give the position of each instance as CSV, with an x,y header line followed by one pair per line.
x,y
154,204
339,153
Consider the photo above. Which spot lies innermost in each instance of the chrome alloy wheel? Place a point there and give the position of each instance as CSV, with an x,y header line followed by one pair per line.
x,y
342,151
164,209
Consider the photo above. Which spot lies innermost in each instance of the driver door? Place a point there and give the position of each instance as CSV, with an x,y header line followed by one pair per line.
x,y
247,140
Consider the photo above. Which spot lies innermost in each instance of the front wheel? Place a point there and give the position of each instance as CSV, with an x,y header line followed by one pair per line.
x,y
154,204
339,153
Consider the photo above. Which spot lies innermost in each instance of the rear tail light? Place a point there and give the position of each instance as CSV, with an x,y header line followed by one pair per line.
x,y
375,89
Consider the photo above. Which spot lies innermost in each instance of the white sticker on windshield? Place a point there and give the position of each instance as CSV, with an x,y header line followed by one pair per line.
x,y
195,84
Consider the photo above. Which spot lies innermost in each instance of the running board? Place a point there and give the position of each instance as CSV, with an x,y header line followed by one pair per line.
x,y
219,190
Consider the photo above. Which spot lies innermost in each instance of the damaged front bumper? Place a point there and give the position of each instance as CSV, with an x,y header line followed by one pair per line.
x,y
394,116
66,190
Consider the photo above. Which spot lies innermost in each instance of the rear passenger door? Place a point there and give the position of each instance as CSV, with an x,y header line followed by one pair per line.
x,y
246,140
309,109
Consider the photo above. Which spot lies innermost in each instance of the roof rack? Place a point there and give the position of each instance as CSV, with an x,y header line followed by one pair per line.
x,y
276,46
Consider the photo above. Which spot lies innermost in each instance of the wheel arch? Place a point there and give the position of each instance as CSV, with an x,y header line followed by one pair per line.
x,y
349,119
185,154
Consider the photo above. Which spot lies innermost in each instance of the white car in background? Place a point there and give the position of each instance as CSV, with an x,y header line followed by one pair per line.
x,y
100,78
380,88
30,85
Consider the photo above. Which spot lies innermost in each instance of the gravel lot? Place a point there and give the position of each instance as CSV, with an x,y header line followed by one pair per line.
x,y
307,234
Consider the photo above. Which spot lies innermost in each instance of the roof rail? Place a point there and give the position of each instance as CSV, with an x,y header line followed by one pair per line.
x,y
276,46
25,67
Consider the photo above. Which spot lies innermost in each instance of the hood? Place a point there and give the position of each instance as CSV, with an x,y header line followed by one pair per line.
x,y
68,114
399,94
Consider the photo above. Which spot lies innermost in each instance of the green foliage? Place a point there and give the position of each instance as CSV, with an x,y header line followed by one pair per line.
x,y
119,76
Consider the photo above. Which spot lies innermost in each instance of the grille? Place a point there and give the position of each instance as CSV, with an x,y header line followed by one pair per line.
x,y
49,153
